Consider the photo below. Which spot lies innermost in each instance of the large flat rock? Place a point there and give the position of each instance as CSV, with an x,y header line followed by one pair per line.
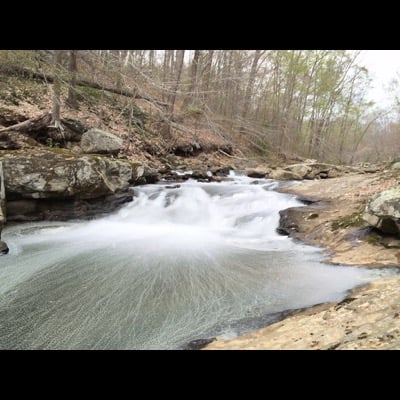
x,y
368,319
60,174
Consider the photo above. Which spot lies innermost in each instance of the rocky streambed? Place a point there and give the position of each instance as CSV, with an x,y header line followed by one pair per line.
x,y
335,219
57,184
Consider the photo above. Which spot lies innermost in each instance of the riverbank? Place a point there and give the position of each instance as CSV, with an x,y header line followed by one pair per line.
x,y
369,317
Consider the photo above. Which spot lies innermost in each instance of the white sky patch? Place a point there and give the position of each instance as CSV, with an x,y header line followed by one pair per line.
x,y
383,66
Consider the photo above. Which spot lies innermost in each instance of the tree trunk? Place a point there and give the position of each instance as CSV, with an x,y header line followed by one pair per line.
x,y
193,78
72,100
166,76
55,116
361,137
250,83
178,71
207,72
151,59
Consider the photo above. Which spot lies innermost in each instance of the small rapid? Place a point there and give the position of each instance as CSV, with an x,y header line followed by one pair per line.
x,y
176,264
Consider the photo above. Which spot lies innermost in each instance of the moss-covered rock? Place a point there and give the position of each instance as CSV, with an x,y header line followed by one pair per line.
x,y
56,184
60,174
346,221
383,211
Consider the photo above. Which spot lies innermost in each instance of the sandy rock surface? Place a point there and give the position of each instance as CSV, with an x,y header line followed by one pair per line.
x,y
369,318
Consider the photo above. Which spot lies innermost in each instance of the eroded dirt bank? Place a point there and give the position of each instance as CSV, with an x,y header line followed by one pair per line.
x,y
369,318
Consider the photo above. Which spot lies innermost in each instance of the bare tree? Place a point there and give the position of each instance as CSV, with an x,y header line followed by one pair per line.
x,y
206,73
193,78
250,83
55,118
72,100
180,54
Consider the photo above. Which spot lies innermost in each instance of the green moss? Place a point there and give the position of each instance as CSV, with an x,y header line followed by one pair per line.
x,y
85,92
60,151
374,239
354,220
194,111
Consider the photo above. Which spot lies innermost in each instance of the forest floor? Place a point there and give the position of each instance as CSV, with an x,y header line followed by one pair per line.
x,y
193,140
369,317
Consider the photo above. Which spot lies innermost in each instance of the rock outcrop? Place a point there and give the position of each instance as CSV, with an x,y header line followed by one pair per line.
x,y
3,248
283,175
368,319
315,170
58,184
100,142
61,174
383,211
259,172
64,209
142,174
294,219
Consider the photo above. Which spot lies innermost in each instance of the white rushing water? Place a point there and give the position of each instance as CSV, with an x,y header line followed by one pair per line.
x,y
174,265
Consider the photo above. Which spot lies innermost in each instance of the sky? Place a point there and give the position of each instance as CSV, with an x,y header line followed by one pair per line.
x,y
382,65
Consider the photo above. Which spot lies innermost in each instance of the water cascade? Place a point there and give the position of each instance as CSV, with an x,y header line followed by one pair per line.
x,y
175,265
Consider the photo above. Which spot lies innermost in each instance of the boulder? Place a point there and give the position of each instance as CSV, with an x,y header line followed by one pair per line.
x,y
150,175
301,170
1,217
100,142
3,248
383,211
283,175
259,172
187,149
142,174
290,220
221,171
296,219
314,170
200,174
60,174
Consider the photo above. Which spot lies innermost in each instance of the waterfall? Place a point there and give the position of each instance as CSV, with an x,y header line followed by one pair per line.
x,y
174,265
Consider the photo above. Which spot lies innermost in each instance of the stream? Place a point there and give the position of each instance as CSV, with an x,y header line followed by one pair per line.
x,y
177,264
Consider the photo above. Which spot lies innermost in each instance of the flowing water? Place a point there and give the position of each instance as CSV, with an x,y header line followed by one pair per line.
x,y
174,265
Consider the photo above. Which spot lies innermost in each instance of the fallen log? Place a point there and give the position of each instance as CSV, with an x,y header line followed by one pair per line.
x,y
30,125
39,128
